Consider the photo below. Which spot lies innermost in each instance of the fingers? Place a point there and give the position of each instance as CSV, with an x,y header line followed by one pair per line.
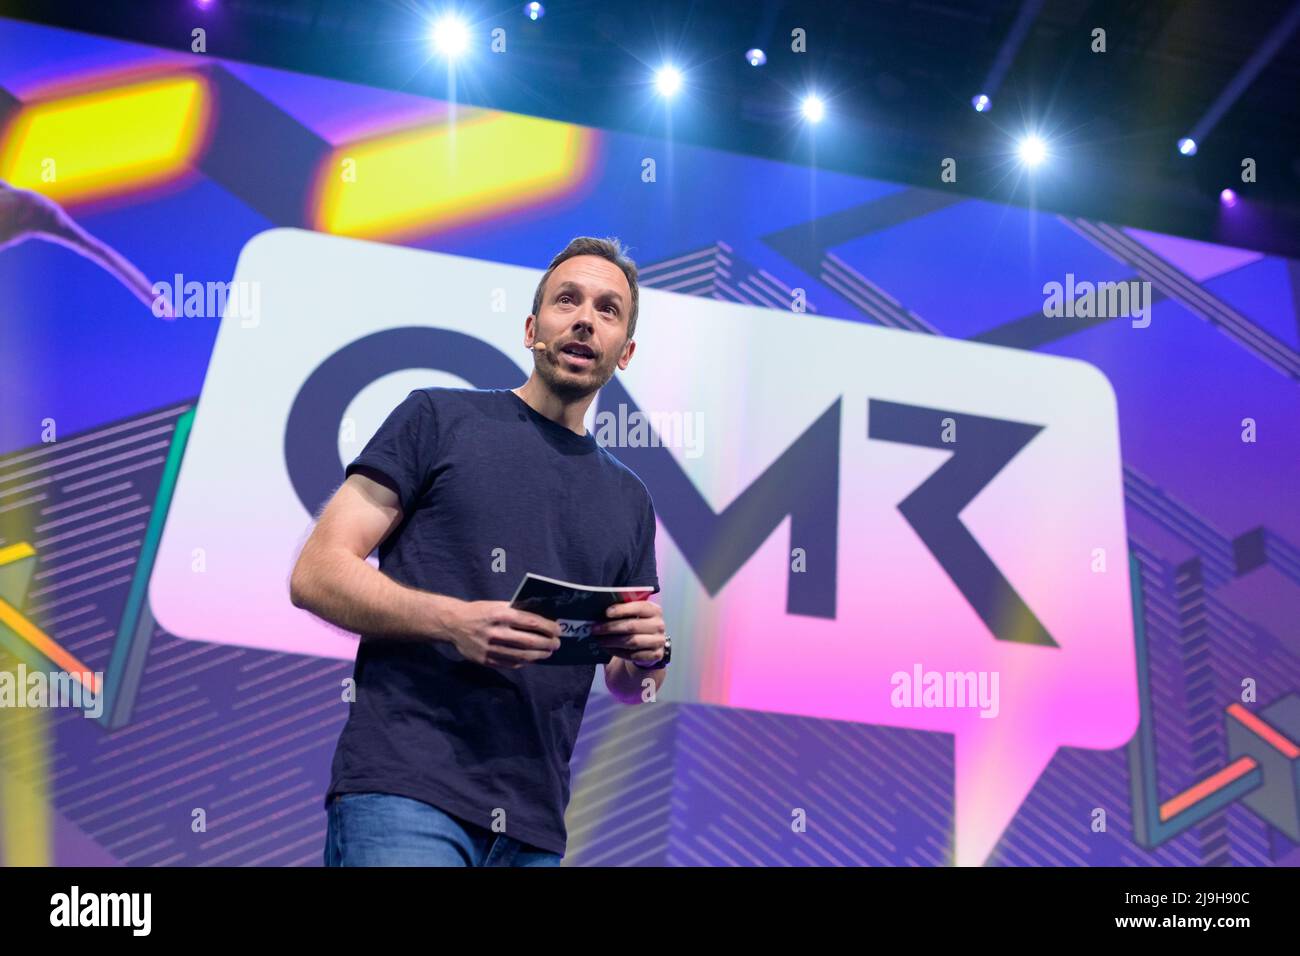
x,y
643,639
503,655
630,645
527,621
634,609
516,638
513,647
637,625
524,640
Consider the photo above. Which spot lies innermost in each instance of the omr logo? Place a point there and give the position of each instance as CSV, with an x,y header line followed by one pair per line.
x,y
877,502
799,484
934,508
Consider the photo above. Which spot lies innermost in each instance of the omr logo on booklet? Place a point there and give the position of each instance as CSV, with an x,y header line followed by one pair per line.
x,y
577,608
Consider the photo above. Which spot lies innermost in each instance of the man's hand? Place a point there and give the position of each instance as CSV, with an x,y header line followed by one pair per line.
x,y
494,634
634,631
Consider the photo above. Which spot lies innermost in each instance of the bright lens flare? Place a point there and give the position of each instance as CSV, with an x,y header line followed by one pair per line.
x,y
813,109
668,80
450,35
1033,151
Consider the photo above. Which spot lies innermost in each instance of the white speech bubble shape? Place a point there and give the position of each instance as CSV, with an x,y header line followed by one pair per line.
x,y
756,379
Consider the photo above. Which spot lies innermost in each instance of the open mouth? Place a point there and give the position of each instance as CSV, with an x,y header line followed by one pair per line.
x,y
578,354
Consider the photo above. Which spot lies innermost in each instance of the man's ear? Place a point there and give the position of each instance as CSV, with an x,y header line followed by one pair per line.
x,y
530,330
627,353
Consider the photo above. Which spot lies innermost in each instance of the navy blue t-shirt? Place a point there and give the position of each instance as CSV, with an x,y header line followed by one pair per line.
x,y
485,480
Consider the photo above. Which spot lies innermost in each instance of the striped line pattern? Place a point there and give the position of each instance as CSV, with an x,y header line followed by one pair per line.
x,y
874,302
243,736
716,272
1143,495
1192,296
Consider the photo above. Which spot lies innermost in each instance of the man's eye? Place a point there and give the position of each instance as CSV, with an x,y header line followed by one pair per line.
x,y
563,297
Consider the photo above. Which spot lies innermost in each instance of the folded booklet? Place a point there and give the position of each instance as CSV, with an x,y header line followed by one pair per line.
x,y
577,607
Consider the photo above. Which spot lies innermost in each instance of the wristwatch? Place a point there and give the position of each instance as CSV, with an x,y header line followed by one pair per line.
x,y
663,661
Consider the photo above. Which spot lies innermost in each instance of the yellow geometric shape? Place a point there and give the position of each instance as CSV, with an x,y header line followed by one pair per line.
x,y
440,176
24,810
24,789
107,141
16,552
33,635
16,564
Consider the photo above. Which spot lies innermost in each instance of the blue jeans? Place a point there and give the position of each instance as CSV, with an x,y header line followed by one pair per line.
x,y
383,829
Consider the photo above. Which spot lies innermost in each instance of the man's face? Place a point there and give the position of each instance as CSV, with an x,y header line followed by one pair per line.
x,y
583,321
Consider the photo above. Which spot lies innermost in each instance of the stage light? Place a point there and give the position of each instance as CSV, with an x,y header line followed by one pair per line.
x,y
1254,65
668,80
1228,198
1032,151
450,36
534,11
813,108
1011,43
1187,146
756,57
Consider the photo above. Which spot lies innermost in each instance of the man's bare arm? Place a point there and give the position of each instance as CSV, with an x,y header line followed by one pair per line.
x,y
333,580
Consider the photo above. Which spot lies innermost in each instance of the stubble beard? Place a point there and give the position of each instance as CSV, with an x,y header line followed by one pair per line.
x,y
568,387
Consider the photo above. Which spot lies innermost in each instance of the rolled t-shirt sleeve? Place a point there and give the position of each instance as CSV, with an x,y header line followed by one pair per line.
x,y
642,570
402,450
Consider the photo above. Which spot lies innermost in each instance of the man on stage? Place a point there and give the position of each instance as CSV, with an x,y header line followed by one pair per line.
x,y
456,748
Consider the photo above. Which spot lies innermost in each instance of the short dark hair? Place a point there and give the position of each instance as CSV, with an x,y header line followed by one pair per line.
x,y
609,248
